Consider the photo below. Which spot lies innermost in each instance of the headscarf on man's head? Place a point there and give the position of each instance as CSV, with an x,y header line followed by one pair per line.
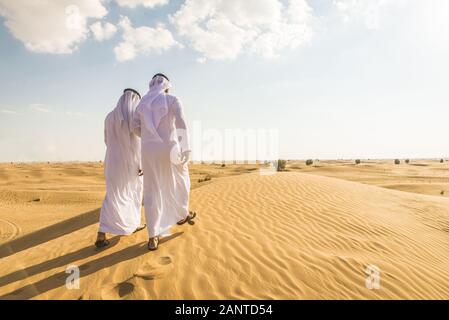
x,y
154,112
126,106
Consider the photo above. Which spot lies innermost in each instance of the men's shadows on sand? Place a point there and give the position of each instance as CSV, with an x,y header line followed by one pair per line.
x,y
59,279
57,262
49,233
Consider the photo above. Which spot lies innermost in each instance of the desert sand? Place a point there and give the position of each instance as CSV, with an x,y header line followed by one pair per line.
x,y
307,233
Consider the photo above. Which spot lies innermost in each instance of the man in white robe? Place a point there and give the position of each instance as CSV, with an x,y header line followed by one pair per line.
x,y
160,123
121,210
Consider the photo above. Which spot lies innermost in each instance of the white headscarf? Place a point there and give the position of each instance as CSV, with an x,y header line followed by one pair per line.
x,y
154,112
126,106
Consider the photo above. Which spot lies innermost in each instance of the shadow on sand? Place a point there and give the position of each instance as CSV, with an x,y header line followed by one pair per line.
x,y
49,233
55,263
59,279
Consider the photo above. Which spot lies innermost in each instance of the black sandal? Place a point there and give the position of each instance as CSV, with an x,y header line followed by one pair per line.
x,y
154,247
140,228
102,243
188,219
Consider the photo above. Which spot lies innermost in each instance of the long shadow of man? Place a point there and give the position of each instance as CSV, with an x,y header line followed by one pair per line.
x,y
49,233
59,279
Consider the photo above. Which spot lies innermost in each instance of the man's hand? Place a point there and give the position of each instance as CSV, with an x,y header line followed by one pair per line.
x,y
140,173
185,157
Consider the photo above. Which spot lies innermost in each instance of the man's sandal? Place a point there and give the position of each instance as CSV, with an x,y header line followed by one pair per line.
x,y
188,219
102,243
140,228
153,244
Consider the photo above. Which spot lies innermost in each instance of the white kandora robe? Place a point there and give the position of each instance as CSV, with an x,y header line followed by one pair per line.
x,y
121,210
160,123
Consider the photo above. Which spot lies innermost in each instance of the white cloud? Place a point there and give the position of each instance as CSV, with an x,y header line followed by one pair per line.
x,y
142,40
225,29
50,26
39,108
367,12
145,3
103,31
10,112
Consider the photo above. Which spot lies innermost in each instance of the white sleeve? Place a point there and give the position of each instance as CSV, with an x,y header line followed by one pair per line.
x,y
181,126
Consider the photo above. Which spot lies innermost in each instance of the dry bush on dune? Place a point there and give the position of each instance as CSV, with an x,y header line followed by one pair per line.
x,y
309,162
397,161
358,161
206,178
442,161
407,161
282,164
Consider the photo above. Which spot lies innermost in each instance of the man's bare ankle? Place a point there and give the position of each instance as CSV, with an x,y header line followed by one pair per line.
x,y
101,235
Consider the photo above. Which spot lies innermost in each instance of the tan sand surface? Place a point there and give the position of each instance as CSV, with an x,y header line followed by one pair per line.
x,y
303,234
420,176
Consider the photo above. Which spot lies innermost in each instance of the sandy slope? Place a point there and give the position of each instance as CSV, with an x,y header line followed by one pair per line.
x,y
420,176
290,235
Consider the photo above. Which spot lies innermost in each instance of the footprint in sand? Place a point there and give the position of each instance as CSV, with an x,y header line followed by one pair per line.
x,y
123,291
8,230
154,271
164,260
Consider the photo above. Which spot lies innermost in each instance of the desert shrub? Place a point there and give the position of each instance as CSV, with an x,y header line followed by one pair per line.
x,y
223,165
442,193
442,161
407,161
397,161
358,161
309,162
206,178
281,165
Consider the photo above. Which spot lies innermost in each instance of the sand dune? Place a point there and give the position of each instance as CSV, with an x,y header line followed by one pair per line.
x,y
420,176
287,236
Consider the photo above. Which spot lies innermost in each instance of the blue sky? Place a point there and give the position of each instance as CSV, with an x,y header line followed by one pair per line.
x,y
346,79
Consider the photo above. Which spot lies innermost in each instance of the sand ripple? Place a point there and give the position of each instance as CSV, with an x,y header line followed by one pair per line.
x,y
287,236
